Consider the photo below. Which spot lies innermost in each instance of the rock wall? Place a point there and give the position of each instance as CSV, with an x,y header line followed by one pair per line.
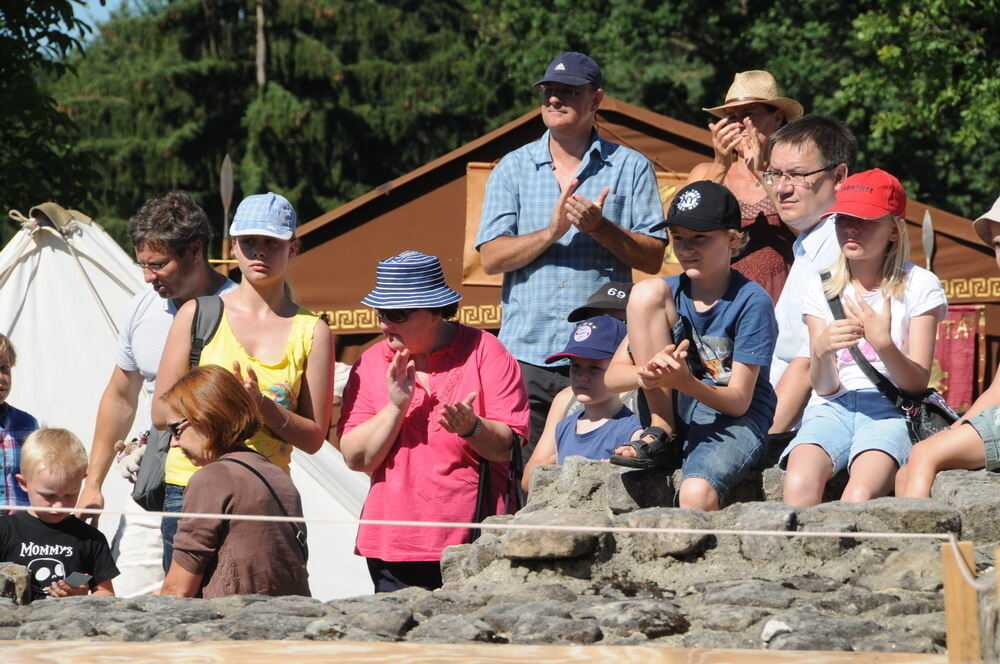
x,y
693,590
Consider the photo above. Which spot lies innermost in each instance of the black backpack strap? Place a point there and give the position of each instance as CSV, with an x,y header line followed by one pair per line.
x,y
207,316
884,385
300,535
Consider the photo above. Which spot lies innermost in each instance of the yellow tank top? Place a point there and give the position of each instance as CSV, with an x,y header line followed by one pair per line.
x,y
280,382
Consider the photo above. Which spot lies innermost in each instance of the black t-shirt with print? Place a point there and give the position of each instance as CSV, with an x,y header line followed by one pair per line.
x,y
53,551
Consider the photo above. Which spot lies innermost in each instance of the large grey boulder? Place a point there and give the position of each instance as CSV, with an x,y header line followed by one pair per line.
x,y
976,496
535,544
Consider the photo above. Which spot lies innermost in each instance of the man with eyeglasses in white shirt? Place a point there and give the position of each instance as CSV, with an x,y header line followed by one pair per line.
x,y
808,161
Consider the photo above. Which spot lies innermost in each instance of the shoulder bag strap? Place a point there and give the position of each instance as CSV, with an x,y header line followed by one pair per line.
x,y
207,316
300,536
884,385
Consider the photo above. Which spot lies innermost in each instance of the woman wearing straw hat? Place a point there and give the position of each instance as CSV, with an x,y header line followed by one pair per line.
x,y
421,410
752,104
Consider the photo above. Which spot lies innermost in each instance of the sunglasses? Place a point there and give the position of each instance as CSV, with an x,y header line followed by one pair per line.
x,y
546,92
394,316
175,427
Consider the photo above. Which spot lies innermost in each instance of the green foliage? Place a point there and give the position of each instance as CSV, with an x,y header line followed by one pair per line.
x,y
359,92
34,38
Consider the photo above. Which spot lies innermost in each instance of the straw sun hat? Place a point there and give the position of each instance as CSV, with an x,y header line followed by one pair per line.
x,y
757,86
982,225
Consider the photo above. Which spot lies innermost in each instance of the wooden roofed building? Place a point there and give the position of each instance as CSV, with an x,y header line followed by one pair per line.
x,y
434,209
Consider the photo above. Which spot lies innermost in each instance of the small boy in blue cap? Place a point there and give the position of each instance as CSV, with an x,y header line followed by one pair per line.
x,y
604,421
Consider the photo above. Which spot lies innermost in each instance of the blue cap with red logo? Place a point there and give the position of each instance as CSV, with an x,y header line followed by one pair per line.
x,y
596,338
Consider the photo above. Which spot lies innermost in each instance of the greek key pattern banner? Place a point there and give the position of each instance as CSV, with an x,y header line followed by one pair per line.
x,y
351,321
975,288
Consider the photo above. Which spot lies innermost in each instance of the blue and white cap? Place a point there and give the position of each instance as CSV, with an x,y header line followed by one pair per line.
x,y
267,214
596,338
410,280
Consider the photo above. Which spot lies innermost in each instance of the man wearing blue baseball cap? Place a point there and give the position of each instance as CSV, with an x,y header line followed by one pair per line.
x,y
561,216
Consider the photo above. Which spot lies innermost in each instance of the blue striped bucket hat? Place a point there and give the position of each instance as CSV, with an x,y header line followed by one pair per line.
x,y
410,280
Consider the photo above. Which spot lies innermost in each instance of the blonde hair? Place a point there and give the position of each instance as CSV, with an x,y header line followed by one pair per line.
x,y
893,273
743,238
7,353
57,450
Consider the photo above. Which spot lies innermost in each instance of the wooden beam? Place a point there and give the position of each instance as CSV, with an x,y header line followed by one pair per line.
x,y
961,605
309,652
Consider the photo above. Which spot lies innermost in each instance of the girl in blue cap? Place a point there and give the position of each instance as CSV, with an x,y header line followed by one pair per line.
x,y
281,352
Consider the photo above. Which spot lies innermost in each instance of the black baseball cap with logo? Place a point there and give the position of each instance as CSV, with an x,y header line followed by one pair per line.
x,y
703,206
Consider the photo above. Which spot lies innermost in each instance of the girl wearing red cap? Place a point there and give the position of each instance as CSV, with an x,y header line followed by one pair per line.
x,y
891,309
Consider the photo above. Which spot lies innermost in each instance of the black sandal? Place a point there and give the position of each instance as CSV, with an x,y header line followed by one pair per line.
x,y
654,448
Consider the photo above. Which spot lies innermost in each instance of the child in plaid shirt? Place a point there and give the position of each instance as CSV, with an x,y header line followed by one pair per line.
x,y
15,425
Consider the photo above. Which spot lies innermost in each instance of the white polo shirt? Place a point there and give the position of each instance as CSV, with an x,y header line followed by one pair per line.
x,y
815,251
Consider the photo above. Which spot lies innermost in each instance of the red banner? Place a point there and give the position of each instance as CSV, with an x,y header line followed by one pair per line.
x,y
958,339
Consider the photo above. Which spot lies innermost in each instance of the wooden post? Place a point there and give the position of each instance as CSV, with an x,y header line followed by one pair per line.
x,y
961,605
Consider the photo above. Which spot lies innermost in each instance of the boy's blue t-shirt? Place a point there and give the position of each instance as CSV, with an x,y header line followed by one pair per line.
x,y
15,426
740,327
599,443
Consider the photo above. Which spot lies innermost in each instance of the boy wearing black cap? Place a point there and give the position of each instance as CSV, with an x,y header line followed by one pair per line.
x,y
704,337
604,421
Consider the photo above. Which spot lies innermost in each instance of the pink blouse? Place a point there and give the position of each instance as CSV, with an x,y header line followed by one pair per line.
x,y
431,474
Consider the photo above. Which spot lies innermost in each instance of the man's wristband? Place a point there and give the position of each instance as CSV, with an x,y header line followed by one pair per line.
x,y
475,429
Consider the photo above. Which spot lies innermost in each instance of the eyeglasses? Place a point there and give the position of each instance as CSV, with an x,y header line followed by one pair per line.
x,y
394,316
175,428
155,268
794,179
547,92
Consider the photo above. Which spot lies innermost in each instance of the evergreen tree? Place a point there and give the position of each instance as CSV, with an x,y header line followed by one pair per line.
x,y
35,37
356,93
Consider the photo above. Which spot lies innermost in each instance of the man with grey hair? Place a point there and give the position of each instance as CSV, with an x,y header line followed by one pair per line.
x,y
171,235
561,216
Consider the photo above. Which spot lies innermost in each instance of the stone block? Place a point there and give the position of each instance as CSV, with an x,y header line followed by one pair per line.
x,y
15,583
555,630
453,629
761,594
650,617
549,544
504,617
976,496
728,617
629,490
755,516
643,547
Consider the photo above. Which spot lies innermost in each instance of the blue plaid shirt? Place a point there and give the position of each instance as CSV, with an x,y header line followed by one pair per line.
x,y
15,425
520,196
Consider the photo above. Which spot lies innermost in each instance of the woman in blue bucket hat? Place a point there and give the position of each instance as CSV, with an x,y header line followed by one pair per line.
x,y
421,410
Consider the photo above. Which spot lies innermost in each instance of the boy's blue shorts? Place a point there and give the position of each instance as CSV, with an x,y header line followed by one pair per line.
x,y
720,449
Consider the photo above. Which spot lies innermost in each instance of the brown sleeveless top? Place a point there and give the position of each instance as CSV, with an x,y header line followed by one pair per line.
x,y
767,258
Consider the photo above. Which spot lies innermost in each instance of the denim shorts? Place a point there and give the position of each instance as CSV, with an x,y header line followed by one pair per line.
x,y
987,423
855,422
720,449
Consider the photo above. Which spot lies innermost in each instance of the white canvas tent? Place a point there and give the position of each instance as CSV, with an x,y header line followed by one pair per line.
x,y
64,285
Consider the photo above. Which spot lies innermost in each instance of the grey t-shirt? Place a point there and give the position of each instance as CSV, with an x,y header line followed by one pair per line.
x,y
141,339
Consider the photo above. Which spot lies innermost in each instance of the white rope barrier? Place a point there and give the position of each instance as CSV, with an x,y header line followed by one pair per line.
x,y
981,584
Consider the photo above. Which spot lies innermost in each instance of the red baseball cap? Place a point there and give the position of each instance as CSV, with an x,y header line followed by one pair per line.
x,y
870,195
